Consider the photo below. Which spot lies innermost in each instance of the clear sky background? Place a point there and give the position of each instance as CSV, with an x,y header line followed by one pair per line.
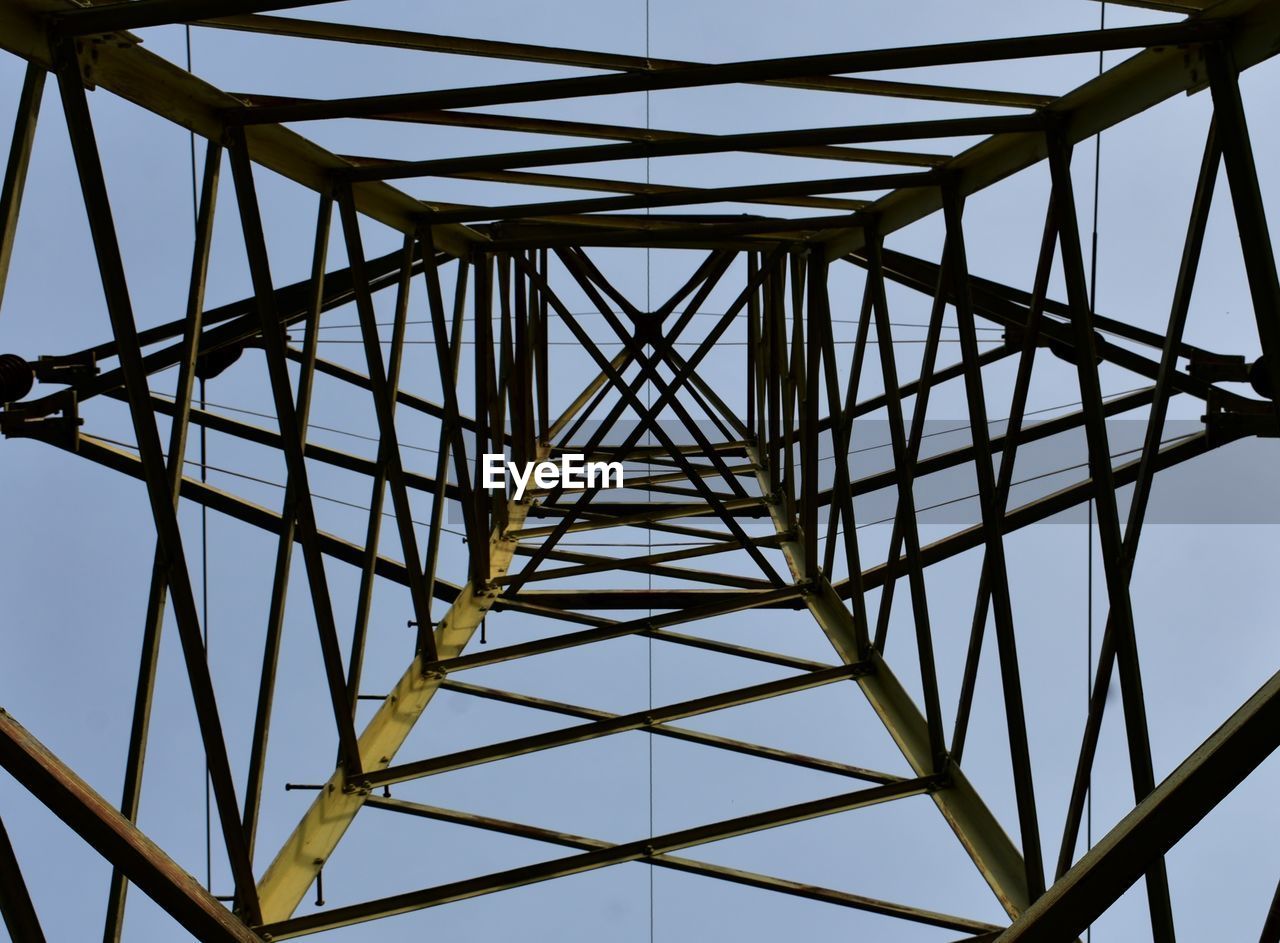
x,y
78,543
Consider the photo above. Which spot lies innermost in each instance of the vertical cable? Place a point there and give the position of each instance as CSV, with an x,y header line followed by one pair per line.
x,y
648,398
1093,310
204,529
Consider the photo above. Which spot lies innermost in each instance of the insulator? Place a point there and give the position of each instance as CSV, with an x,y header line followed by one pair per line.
x,y
16,378
1260,379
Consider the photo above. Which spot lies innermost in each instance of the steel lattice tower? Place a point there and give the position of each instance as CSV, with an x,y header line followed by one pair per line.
x,y
735,462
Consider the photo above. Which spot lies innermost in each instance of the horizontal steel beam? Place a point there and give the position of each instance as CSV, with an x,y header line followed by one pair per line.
x,y
552,55
825,895
592,860
618,723
168,90
703,144
1250,27
760,70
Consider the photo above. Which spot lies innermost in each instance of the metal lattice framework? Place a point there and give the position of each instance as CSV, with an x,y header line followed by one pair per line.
x,y
750,490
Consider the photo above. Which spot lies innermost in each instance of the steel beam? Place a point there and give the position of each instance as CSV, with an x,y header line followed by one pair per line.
x,y
285,882
761,70
1138,841
592,860
114,837
15,171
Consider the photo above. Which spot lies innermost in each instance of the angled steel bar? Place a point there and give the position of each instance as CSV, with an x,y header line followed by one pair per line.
x,y
737,603
994,565
117,839
1246,199
705,144
920,414
1271,926
482,314
447,363
842,493
1127,89
686,196
677,733
540,360
168,90
1179,309
157,595
599,185
590,563
747,878
616,723
666,397
107,454
598,564
294,868
697,76
1116,564
15,171
218,422
738,651
841,423
603,858
995,856
526,52
377,496
811,392
1057,333
919,597
384,380
292,440
706,276
588,276
1174,453
151,461
16,908
1012,438
237,324
1135,845
446,439
288,533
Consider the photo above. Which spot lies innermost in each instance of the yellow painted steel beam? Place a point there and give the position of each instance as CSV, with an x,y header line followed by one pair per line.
x,y
286,881
985,840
